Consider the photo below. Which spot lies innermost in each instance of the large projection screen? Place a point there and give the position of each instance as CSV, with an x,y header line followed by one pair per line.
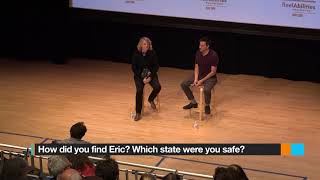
x,y
285,13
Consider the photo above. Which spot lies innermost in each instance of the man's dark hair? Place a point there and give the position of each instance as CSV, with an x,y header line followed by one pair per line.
x,y
232,172
79,161
92,178
223,173
239,171
78,130
108,169
172,176
148,176
207,40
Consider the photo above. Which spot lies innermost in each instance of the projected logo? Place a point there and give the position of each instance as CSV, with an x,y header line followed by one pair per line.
x,y
132,1
300,7
212,5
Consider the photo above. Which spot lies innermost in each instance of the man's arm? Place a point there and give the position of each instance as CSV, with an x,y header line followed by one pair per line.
x,y
196,73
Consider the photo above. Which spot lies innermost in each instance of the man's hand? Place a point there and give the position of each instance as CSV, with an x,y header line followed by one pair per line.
x,y
199,83
195,82
146,80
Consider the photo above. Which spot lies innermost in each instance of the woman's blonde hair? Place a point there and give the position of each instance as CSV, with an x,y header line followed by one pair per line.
x,y
141,41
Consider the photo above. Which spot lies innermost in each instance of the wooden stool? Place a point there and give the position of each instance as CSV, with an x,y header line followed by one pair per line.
x,y
200,108
143,101
201,104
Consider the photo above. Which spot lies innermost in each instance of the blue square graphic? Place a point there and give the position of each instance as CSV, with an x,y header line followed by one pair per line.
x,y
297,149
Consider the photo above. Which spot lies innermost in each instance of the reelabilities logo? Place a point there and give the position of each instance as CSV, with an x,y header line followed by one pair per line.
x,y
299,4
133,1
214,4
300,7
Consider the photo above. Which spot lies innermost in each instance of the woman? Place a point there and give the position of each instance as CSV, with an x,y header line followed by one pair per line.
x,y
145,67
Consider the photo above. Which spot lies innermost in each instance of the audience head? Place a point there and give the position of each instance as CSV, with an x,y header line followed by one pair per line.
x,y
78,130
69,174
172,176
223,173
239,171
16,168
93,178
108,169
2,160
57,164
232,172
148,176
82,163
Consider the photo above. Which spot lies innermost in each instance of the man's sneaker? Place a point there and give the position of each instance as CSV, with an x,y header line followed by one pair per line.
x,y
207,110
190,105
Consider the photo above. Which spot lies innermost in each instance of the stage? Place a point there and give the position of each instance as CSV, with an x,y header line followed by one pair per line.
x,y
39,101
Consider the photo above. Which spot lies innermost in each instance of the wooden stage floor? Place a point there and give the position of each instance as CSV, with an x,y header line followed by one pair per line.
x,y
39,100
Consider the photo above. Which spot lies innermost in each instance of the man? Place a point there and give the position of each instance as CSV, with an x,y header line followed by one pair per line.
x,y
77,131
206,63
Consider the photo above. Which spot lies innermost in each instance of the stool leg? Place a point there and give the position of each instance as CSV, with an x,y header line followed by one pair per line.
x,y
158,101
201,104
213,101
142,110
